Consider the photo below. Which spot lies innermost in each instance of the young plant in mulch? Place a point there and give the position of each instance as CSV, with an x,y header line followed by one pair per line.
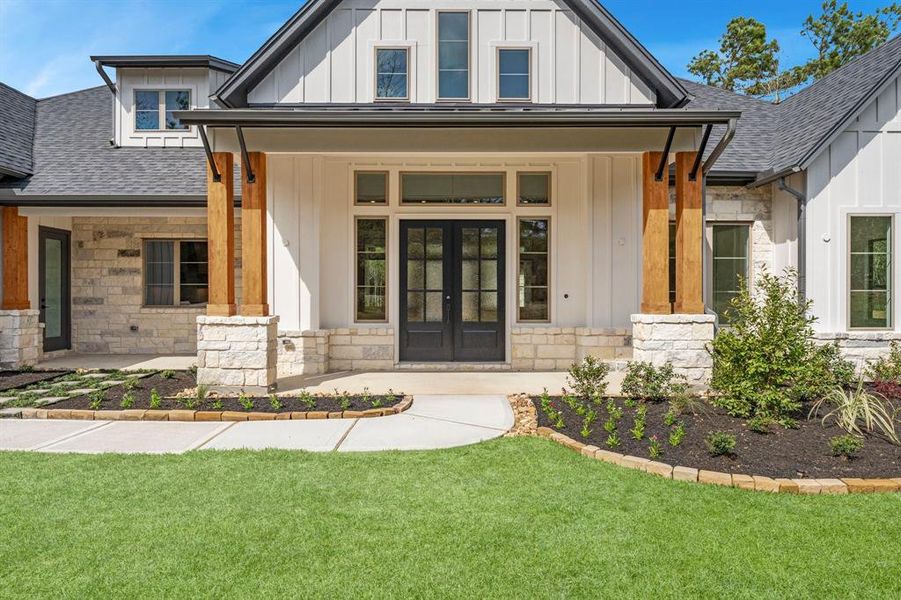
x,y
676,435
588,379
858,411
847,446
886,369
245,401
307,399
720,443
655,449
96,398
275,402
127,401
552,412
217,404
167,374
193,402
590,417
130,384
647,383
155,400
639,423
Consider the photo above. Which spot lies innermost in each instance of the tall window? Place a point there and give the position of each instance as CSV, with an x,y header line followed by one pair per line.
x,y
730,265
672,262
453,56
154,109
870,293
452,188
533,280
175,272
372,269
392,75
513,74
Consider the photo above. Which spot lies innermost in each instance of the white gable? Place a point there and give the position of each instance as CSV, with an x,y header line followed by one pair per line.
x,y
335,63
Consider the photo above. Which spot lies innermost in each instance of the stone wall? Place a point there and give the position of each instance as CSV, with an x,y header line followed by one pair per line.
x,y
678,339
107,280
361,349
237,352
21,338
861,347
303,353
556,349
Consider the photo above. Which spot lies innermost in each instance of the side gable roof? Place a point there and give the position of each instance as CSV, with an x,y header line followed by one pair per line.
x,y
233,93
17,117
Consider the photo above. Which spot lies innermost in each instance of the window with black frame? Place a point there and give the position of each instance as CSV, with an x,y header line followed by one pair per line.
x,y
176,272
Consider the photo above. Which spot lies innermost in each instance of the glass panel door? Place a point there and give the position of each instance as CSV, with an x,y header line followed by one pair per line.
x,y
54,284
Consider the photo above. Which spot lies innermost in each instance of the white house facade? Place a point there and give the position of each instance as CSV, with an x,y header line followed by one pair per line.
x,y
402,184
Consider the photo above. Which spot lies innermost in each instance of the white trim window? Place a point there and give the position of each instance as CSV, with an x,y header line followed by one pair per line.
x,y
453,55
533,279
176,273
392,74
154,109
870,271
371,279
731,265
514,81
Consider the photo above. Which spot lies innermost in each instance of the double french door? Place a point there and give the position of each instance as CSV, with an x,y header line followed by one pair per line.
x,y
452,291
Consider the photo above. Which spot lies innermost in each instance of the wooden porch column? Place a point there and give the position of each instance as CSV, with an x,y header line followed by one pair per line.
x,y
253,239
655,238
15,260
220,211
689,235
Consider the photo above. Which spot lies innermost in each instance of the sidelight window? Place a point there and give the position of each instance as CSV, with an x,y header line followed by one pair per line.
x,y
533,294
372,269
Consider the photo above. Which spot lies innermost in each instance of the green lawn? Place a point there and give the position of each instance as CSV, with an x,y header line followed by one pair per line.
x,y
509,518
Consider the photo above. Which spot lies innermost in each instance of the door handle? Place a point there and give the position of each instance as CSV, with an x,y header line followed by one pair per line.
x,y
447,308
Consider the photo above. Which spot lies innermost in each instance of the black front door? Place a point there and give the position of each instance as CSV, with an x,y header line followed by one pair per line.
x,y
452,291
53,288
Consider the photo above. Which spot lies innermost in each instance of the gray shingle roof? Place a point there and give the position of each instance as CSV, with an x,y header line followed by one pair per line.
x,y
73,156
16,131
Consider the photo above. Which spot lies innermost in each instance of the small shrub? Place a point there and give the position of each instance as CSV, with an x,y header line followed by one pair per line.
x,y
275,402
169,374
889,389
553,414
646,382
610,426
767,362
613,440
587,421
858,411
655,450
217,404
130,384
307,399
96,398
846,446
245,401
887,368
366,396
639,423
720,443
761,424
127,401
588,379
390,397
193,371
676,435
193,402
615,412
669,417
155,400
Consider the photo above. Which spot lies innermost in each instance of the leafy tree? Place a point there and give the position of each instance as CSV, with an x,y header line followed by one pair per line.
x,y
745,61
840,35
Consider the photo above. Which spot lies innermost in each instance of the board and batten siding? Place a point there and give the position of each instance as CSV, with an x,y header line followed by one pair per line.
x,y
311,230
335,62
859,173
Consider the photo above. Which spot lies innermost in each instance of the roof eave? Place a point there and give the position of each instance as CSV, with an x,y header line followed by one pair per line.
x,y
187,60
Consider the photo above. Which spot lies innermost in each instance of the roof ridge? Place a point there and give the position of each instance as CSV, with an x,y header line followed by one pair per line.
x,y
730,92
60,95
18,91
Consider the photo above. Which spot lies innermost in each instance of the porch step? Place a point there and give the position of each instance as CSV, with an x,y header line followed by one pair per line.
x,y
453,366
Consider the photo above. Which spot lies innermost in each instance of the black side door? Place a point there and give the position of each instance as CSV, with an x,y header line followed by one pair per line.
x,y
54,288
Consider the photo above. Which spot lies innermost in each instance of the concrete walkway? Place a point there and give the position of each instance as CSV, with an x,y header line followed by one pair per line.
x,y
432,422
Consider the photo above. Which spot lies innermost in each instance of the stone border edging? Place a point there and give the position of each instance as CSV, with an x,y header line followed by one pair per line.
x,y
737,480
208,415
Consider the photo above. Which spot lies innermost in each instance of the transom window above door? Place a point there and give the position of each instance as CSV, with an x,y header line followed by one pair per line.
x,y
155,109
513,80
392,74
452,188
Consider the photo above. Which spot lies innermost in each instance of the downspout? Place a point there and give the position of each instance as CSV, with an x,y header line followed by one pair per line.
x,y
802,235
112,88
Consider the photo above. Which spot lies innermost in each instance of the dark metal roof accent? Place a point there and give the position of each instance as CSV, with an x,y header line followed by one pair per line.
x,y
17,119
693,174
664,156
422,116
233,93
168,60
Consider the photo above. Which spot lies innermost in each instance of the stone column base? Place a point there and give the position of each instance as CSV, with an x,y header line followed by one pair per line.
x,y
21,340
237,353
678,339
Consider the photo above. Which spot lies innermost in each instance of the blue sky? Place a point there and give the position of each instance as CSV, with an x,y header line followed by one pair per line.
x,y
45,44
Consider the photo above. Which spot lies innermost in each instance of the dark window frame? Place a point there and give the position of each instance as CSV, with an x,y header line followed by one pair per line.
x,y
176,272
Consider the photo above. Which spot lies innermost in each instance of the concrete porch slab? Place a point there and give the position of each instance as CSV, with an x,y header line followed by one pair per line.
x,y
313,435
122,362
139,437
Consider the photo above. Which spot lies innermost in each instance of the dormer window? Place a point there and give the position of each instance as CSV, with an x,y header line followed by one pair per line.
x,y
154,109
513,80
392,74
453,56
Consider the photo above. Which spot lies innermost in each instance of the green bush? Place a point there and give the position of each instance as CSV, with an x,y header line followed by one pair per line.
x,y
646,382
767,363
845,445
886,368
588,379
720,443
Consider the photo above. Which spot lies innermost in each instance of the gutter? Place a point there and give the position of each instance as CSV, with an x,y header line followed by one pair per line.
x,y
801,197
98,64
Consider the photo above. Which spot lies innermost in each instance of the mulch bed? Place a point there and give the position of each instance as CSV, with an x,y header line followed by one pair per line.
x,y
11,380
791,453
183,381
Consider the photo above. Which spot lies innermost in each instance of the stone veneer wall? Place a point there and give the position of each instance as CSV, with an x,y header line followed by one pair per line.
x,y
21,338
861,347
738,204
302,353
678,339
237,352
556,349
107,280
361,349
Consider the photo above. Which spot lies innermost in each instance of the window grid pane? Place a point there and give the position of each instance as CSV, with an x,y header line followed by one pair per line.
x,y
870,281
392,74
371,292
453,55
159,273
534,282
534,189
452,188
176,100
372,188
513,74
730,266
